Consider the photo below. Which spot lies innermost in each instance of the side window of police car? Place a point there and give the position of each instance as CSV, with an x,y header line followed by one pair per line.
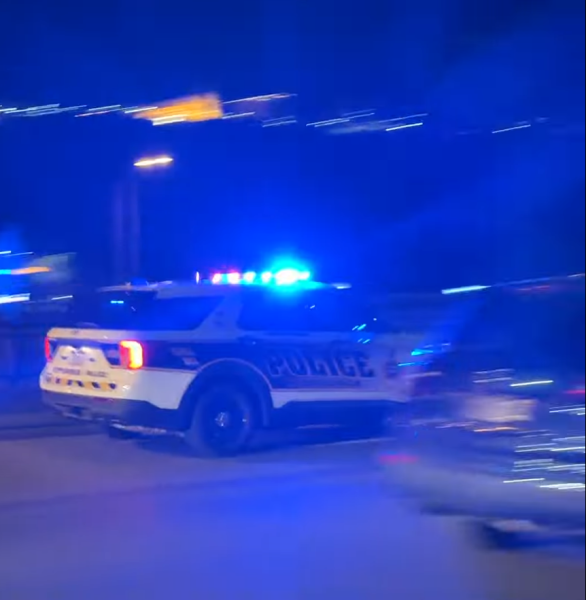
x,y
340,312
301,312
275,312
179,314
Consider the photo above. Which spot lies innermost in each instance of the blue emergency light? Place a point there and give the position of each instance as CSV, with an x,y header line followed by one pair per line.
x,y
280,277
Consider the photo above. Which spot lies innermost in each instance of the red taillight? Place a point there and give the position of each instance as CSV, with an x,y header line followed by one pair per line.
x,y
131,355
48,350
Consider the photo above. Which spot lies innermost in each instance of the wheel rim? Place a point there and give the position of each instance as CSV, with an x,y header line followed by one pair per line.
x,y
225,423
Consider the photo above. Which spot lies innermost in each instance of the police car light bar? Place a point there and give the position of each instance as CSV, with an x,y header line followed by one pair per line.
x,y
282,277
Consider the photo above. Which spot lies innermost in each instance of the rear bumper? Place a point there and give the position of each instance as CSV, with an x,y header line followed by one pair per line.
x,y
130,413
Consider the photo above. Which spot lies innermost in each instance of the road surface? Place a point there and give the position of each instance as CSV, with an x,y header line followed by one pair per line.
x,y
83,516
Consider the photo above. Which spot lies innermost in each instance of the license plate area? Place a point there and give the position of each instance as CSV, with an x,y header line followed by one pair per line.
x,y
77,357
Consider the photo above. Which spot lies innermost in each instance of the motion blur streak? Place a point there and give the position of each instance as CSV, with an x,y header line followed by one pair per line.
x,y
153,162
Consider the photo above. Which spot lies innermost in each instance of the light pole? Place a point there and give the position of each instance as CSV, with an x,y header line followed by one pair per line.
x,y
127,218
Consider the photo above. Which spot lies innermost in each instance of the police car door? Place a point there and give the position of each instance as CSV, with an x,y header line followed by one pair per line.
x,y
312,346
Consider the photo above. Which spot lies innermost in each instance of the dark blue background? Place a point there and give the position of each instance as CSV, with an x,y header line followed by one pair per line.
x,y
426,207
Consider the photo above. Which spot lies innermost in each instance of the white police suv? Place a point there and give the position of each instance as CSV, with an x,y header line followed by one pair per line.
x,y
218,360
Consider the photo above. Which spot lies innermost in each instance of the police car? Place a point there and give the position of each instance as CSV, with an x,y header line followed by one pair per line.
x,y
218,360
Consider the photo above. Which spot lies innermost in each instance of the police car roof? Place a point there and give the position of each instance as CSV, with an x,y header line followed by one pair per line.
x,y
172,289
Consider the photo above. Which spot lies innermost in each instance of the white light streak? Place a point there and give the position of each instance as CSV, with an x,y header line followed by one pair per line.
x,y
514,128
155,161
405,126
532,383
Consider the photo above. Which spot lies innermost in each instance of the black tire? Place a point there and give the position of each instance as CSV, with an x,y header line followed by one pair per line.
x,y
223,422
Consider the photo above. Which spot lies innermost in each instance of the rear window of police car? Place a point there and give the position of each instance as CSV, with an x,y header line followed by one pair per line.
x,y
139,311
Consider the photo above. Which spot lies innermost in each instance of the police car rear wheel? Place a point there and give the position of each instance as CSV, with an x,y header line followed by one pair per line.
x,y
223,422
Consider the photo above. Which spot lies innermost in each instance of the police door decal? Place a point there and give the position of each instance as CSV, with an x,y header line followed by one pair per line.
x,y
317,367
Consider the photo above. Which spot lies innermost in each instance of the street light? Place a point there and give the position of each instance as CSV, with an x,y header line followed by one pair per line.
x,y
127,219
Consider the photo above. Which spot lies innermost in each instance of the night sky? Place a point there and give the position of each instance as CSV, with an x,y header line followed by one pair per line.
x,y
408,207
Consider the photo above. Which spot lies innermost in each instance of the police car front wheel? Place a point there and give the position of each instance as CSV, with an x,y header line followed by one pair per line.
x,y
223,422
